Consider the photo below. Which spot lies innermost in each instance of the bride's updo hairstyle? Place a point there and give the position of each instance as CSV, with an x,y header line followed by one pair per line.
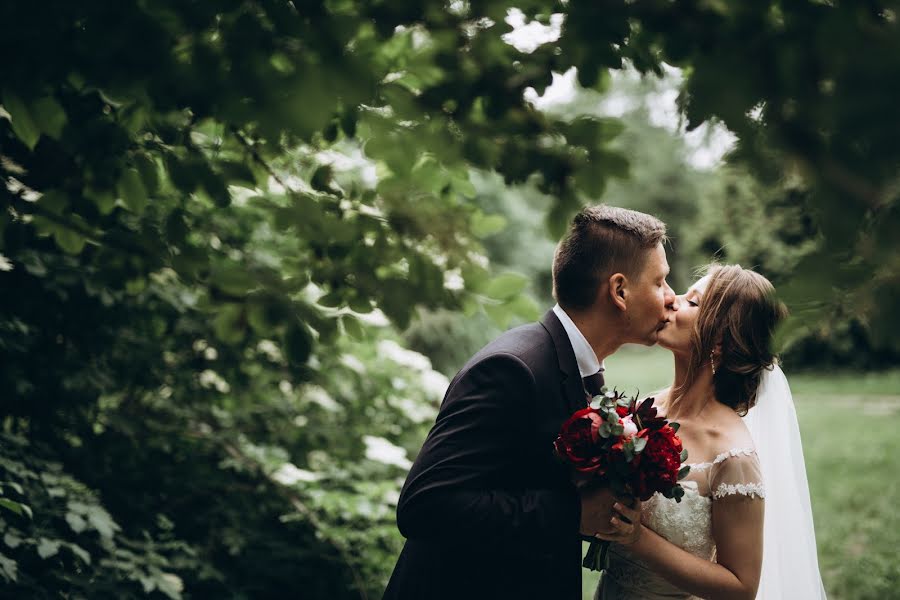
x,y
736,322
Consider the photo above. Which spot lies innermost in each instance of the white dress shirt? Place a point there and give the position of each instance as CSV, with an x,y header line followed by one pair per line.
x,y
584,354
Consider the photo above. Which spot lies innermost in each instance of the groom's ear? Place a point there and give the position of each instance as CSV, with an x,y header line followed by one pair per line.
x,y
618,291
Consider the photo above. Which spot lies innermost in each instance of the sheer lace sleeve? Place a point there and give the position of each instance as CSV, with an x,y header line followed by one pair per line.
x,y
738,472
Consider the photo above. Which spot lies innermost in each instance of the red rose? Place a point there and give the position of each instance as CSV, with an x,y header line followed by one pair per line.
x,y
622,411
579,443
660,462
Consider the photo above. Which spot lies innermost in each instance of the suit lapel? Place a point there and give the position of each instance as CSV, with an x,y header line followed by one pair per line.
x,y
572,386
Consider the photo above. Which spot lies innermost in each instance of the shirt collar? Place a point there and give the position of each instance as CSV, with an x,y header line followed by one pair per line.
x,y
584,354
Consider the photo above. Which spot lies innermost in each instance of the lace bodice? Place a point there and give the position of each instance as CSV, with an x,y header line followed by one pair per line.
x,y
687,524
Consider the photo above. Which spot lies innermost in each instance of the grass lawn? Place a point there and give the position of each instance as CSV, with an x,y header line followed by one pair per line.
x,y
849,423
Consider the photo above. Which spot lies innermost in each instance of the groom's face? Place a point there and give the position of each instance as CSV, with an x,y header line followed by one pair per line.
x,y
651,301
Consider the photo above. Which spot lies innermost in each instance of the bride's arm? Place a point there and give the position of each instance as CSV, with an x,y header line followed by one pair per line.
x,y
737,530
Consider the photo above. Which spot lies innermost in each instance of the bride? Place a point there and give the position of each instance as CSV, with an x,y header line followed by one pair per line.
x,y
744,526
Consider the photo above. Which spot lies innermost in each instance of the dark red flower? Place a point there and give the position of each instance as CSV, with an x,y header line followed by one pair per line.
x,y
659,462
579,443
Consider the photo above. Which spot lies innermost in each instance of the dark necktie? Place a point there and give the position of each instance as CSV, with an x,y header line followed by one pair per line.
x,y
594,383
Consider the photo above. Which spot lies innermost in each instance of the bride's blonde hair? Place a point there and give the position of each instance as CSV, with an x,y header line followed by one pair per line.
x,y
736,324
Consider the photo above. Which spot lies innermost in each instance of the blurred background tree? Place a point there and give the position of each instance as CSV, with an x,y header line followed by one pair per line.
x,y
224,222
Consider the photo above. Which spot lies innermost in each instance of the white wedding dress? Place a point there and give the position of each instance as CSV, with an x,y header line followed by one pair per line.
x,y
687,524
774,473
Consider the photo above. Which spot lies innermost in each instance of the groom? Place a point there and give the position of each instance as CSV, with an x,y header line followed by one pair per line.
x,y
486,509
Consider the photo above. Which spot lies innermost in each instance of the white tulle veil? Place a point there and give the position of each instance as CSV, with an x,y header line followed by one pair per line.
x,y
790,566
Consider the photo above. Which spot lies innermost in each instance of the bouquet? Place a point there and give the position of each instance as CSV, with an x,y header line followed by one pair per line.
x,y
626,445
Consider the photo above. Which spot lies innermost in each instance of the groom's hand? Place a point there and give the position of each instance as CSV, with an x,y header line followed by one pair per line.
x,y
597,510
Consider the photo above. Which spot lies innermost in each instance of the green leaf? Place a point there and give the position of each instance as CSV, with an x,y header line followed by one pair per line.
x,y
149,172
233,278
216,188
102,522
47,548
49,116
70,241
675,426
76,522
360,305
348,122
505,286
613,164
131,190
238,173
525,307
332,299
684,455
229,324
321,178
465,187
267,314
482,225
683,471
104,200
639,444
499,314
12,539
8,568
16,507
80,552
353,327
23,124
475,277
298,345
170,584
15,486
591,181
55,201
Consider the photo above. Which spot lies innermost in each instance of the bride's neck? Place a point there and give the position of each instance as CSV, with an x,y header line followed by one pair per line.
x,y
686,403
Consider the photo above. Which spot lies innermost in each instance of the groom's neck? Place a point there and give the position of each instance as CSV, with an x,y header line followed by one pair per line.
x,y
599,330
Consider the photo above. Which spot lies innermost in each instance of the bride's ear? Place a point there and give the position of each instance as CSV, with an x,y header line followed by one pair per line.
x,y
618,291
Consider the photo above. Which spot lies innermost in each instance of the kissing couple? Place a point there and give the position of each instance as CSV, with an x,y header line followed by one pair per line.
x,y
488,511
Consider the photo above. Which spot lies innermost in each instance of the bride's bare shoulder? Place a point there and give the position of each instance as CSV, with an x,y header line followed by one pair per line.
x,y
660,399
727,430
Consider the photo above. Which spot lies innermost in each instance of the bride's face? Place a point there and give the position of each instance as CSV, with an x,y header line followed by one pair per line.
x,y
677,335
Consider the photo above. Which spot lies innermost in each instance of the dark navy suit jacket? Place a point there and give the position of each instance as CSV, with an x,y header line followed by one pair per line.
x,y
487,510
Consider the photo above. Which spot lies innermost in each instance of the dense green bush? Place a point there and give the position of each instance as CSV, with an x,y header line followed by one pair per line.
x,y
207,206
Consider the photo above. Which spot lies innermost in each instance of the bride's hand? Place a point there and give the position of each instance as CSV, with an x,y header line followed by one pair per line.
x,y
627,526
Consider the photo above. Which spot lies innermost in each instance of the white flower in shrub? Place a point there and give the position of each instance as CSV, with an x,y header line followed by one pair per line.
x,y
353,363
415,410
289,474
318,395
400,355
383,451
211,379
435,384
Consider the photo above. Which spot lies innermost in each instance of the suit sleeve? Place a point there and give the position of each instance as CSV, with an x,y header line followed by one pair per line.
x,y
460,487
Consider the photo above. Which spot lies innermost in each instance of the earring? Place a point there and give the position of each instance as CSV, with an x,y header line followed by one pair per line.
x,y
712,362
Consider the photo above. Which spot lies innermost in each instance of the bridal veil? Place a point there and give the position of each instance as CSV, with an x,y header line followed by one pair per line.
x,y
790,564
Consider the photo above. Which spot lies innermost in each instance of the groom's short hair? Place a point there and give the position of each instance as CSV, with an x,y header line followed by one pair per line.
x,y
601,241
